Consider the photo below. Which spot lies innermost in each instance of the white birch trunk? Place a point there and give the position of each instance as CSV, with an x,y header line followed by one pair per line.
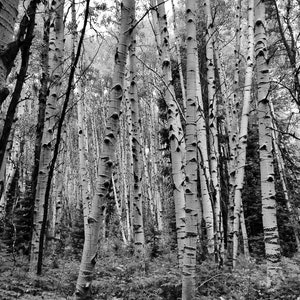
x,y
204,172
178,56
107,156
191,197
244,234
154,162
138,223
125,184
8,15
55,69
83,162
119,210
232,121
213,129
177,143
243,133
11,167
272,247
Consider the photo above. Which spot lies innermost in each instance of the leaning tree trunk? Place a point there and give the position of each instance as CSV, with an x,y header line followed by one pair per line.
x,y
8,14
24,36
243,134
55,70
177,143
191,206
272,246
107,156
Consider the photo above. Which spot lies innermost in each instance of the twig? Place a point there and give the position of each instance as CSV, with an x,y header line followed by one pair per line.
x,y
209,279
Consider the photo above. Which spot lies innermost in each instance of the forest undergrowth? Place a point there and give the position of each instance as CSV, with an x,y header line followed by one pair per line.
x,y
119,277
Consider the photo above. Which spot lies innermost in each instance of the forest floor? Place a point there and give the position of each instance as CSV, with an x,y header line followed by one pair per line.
x,y
118,277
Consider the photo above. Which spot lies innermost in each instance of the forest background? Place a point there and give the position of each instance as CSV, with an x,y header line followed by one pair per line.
x,y
149,149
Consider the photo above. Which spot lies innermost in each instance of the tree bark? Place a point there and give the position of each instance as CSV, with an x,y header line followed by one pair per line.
x,y
191,197
271,237
138,222
107,157
8,14
176,138
25,34
55,70
243,133
232,121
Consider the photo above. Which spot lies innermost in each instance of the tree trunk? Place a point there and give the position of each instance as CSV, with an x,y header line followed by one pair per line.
x,y
107,157
244,234
8,14
42,99
272,247
213,129
55,71
138,223
191,197
25,34
232,121
83,161
243,133
177,143
119,210
178,56
11,166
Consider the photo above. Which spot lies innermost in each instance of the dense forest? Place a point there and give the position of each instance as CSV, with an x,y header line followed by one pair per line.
x,y
149,149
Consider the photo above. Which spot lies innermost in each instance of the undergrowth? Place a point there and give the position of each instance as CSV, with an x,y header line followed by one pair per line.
x,y
118,276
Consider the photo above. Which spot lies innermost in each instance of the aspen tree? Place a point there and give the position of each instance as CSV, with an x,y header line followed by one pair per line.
x,y
213,129
232,121
271,237
178,56
191,197
119,210
129,159
243,133
146,183
55,70
107,156
204,172
8,55
138,223
13,156
177,143
8,14
83,152
124,168
58,203
42,99
154,162
244,234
